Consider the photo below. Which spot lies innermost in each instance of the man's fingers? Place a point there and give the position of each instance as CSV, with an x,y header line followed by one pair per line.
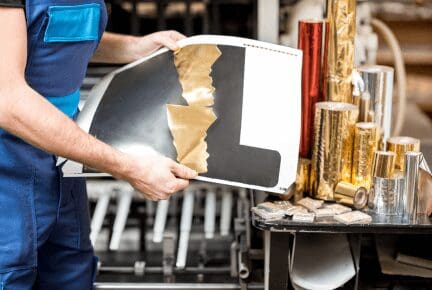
x,y
164,196
182,184
182,171
170,43
176,35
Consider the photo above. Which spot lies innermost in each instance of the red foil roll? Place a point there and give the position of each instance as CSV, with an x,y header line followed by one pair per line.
x,y
310,42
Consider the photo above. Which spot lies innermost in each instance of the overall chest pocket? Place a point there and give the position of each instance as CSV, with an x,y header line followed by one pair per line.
x,y
64,41
73,23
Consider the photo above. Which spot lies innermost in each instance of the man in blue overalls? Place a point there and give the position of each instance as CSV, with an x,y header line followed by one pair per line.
x,y
44,225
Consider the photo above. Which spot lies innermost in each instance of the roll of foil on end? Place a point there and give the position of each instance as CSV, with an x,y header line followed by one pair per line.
x,y
365,145
400,145
350,194
340,62
332,149
410,196
383,164
310,42
378,80
384,197
303,176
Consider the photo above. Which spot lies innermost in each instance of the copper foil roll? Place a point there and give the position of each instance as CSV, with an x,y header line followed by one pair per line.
x,y
400,145
384,197
332,149
378,80
303,176
383,164
350,194
365,145
310,42
341,17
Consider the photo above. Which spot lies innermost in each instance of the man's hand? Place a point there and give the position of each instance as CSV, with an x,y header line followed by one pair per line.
x,y
118,48
147,44
155,176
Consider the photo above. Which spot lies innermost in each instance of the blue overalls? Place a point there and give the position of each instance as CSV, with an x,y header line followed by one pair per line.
x,y
44,220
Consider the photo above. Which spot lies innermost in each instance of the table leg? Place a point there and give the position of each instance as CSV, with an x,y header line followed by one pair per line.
x,y
356,242
276,264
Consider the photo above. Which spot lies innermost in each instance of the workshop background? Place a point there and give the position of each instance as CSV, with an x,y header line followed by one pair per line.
x,y
203,238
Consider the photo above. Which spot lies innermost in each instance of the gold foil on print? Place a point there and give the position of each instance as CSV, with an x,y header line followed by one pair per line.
x,y
189,124
194,63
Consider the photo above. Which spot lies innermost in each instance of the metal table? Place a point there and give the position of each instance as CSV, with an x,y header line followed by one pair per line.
x,y
278,239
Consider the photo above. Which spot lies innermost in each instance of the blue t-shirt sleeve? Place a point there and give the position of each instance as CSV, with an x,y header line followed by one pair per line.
x,y
12,3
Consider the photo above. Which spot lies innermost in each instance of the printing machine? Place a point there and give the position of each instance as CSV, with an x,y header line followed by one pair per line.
x,y
200,238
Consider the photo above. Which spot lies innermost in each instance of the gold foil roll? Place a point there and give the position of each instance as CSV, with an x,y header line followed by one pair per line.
x,y
364,108
350,194
365,144
401,145
332,150
340,62
303,175
383,164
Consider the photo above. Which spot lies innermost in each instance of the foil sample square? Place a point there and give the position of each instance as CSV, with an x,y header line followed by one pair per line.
x,y
354,217
303,217
310,204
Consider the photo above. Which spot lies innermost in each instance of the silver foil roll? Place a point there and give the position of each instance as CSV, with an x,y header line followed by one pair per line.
x,y
385,195
410,196
378,81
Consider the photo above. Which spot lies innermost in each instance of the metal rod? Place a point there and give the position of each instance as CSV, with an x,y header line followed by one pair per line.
x,y
124,201
160,220
99,215
268,20
175,286
159,270
267,240
185,228
243,269
210,214
226,213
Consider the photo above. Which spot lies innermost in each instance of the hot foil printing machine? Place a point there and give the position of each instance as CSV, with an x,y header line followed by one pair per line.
x,y
198,239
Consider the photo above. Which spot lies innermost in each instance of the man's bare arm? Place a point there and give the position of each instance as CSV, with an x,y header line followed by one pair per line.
x,y
26,114
119,48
